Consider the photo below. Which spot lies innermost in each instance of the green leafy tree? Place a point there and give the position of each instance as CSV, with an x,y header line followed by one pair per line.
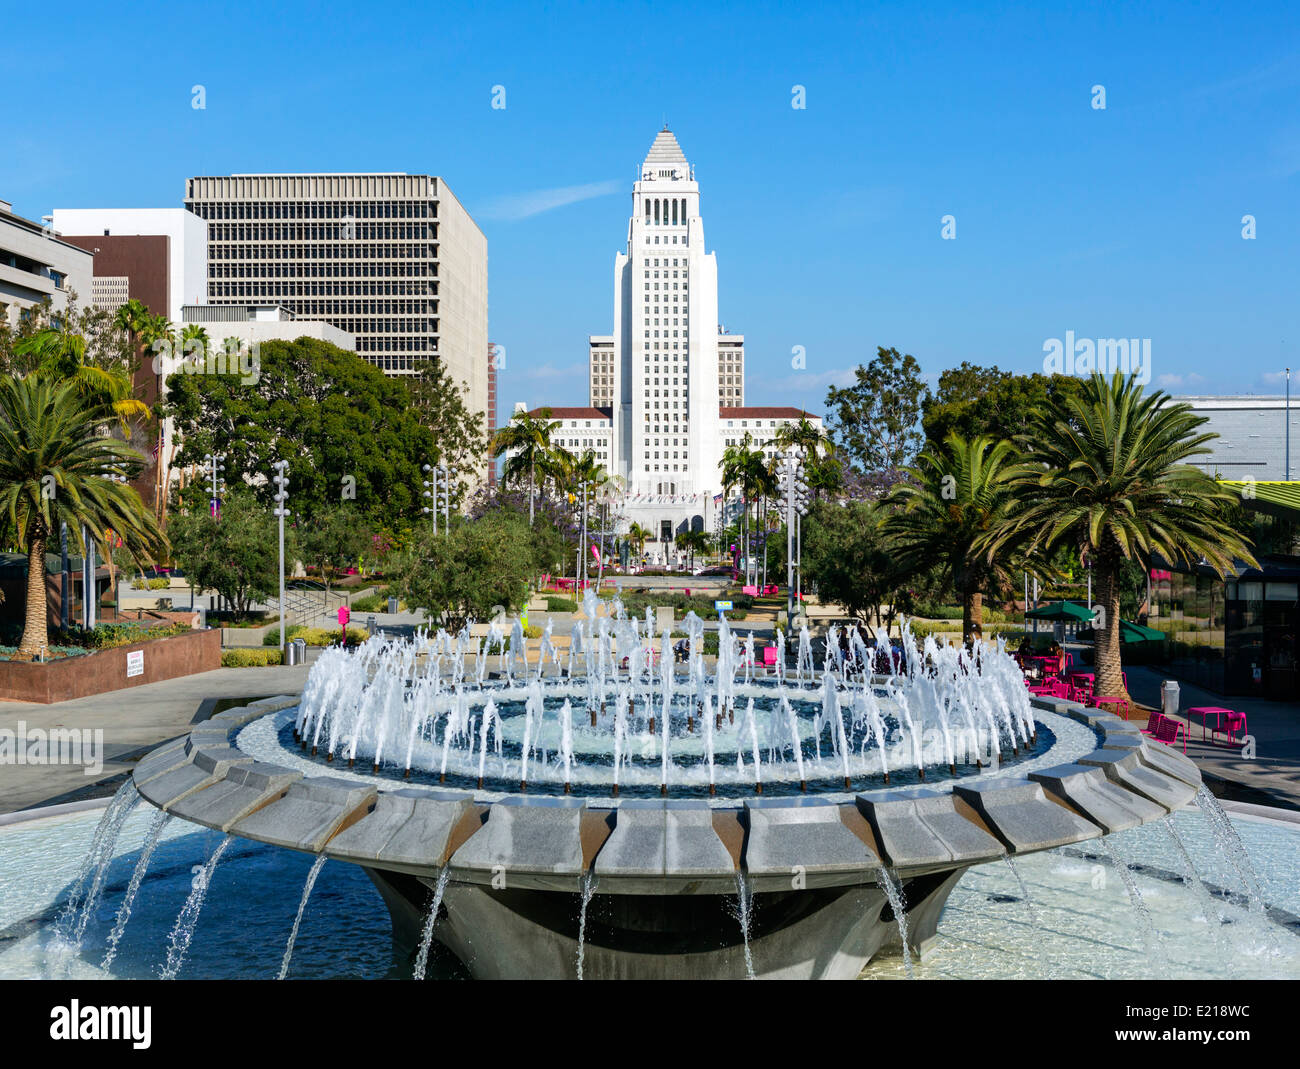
x,y
1109,477
958,495
874,423
457,432
57,467
236,554
692,542
475,572
979,401
336,538
849,556
348,431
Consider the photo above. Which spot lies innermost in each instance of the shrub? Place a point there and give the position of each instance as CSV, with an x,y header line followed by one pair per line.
x,y
160,582
561,605
315,636
249,658
109,636
370,603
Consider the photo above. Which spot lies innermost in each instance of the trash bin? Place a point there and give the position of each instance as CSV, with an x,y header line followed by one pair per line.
x,y
392,605
370,624
1169,698
296,651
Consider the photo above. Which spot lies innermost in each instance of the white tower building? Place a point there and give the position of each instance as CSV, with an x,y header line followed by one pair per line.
x,y
666,380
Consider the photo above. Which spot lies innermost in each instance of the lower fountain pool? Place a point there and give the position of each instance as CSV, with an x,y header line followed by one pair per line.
x,y
1077,922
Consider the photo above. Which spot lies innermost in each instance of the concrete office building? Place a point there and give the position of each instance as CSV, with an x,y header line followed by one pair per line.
x,y
35,264
1252,436
392,259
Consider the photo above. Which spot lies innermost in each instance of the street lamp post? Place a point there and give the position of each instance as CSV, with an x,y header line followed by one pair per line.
x,y
215,465
448,473
427,510
281,481
1288,424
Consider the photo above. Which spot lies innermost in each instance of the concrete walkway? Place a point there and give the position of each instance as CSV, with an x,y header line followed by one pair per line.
x,y
1270,777
133,721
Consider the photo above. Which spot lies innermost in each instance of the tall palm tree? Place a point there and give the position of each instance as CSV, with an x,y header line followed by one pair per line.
x,y
691,542
527,439
54,468
746,468
638,536
1109,477
60,354
959,493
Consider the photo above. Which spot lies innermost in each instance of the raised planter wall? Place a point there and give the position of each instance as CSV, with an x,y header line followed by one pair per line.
x,y
105,670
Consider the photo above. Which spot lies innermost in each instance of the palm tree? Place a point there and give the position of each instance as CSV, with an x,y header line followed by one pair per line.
x,y
745,467
959,493
54,468
60,354
638,536
691,542
528,440
1109,477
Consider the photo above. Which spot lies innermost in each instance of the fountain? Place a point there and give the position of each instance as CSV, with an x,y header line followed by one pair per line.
x,y
831,816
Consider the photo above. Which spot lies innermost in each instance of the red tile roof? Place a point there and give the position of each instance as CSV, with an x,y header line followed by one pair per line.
x,y
765,412
560,412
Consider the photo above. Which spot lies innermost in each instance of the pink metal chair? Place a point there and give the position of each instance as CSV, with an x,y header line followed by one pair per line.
x,y
1121,705
1153,722
1231,721
1167,731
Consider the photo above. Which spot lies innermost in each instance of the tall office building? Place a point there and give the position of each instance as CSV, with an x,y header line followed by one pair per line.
x,y
666,388
392,259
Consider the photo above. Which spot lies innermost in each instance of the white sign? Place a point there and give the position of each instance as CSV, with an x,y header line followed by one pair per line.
x,y
135,663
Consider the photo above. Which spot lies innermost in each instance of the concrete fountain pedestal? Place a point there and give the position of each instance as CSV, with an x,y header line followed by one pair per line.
x,y
664,880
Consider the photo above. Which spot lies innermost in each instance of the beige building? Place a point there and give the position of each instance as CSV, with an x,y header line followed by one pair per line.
x,y
35,264
393,260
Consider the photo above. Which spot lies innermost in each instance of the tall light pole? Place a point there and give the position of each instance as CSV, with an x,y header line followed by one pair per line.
x,y
215,465
1288,424
431,509
448,473
281,481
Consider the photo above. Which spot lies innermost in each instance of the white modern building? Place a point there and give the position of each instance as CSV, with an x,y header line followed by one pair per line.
x,y
157,255
253,325
35,264
667,385
1252,434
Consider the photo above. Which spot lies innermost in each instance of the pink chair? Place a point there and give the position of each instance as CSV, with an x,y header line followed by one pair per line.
x,y
1231,721
1153,722
769,656
1121,705
1167,731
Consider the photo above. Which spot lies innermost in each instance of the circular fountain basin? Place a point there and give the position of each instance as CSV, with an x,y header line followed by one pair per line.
x,y
1076,921
661,874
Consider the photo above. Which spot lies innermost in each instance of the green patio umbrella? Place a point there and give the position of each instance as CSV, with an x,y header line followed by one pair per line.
x,y
1131,632
1068,612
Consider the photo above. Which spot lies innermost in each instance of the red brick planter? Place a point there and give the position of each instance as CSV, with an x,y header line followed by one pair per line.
x,y
105,670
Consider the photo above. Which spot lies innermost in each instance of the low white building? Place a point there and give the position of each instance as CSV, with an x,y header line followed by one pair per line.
x,y
256,324
35,263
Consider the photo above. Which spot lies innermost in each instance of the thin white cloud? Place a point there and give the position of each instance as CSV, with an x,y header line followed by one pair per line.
x,y
512,207
801,382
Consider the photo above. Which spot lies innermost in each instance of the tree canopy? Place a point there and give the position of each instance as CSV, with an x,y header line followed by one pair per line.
x,y
348,431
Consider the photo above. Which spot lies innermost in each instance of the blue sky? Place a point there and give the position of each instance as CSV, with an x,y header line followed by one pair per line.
x,y
1123,222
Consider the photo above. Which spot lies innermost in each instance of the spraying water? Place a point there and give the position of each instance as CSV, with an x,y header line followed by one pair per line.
x,y
297,921
188,918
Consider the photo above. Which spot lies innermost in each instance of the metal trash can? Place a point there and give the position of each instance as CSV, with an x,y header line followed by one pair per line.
x,y
1169,697
392,605
296,651
370,624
